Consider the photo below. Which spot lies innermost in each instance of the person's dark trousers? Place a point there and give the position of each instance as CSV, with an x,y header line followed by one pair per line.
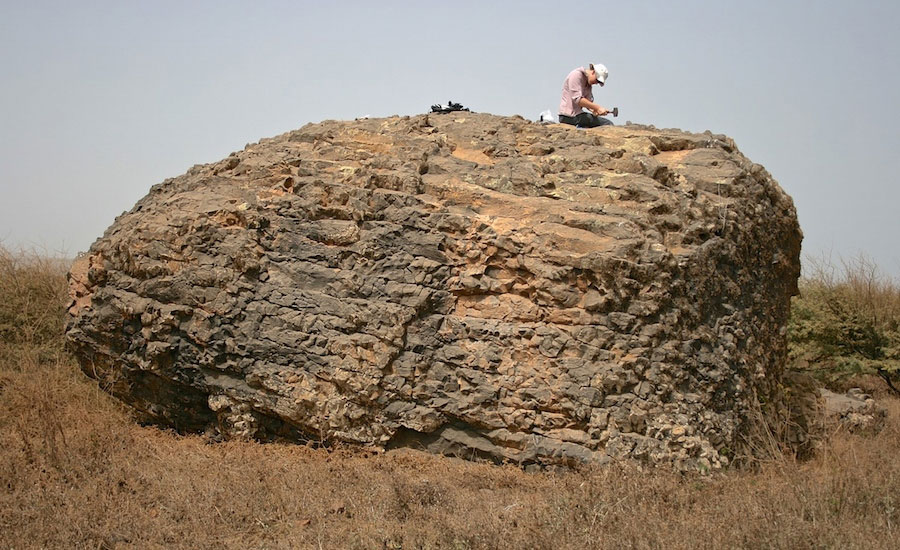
x,y
585,120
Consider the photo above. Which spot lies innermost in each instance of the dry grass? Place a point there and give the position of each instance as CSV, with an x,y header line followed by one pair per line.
x,y
77,472
32,301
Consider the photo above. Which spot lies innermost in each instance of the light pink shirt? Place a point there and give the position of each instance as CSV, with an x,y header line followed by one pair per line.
x,y
574,88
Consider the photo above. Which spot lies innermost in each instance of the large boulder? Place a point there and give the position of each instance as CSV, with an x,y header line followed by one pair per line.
x,y
463,283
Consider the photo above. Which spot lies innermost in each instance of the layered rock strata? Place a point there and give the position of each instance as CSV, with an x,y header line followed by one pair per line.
x,y
463,283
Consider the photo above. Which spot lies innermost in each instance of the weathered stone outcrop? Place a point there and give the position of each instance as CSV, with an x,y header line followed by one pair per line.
x,y
463,282
856,411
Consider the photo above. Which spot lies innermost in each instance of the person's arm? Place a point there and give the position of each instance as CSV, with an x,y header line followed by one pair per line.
x,y
598,110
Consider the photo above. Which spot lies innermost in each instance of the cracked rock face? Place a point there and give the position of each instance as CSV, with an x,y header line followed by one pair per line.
x,y
463,283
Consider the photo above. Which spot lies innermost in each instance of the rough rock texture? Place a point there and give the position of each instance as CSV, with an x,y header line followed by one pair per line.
x,y
855,410
464,283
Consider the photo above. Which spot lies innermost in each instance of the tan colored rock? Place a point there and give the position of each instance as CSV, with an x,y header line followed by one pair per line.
x,y
470,284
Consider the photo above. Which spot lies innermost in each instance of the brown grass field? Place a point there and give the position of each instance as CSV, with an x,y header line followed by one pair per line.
x,y
76,471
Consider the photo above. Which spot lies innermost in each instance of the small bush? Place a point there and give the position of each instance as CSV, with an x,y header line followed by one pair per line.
x,y
32,305
848,324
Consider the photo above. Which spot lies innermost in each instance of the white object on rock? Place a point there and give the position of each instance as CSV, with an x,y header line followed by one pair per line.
x,y
547,117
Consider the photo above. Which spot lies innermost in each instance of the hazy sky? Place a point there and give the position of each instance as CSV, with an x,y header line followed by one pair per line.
x,y
102,99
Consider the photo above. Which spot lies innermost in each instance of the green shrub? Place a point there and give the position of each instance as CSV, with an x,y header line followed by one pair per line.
x,y
848,324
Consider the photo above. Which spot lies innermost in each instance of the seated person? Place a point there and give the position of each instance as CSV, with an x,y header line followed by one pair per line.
x,y
577,95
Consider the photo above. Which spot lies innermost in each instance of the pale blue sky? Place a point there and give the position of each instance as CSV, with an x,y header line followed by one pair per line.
x,y
102,99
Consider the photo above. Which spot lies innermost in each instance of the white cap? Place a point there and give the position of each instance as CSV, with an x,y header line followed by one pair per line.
x,y
601,71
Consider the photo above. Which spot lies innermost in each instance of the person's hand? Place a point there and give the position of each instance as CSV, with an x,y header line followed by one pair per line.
x,y
602,111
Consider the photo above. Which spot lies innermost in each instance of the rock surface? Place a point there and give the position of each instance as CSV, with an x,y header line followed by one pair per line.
x,y
463,283
855,411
